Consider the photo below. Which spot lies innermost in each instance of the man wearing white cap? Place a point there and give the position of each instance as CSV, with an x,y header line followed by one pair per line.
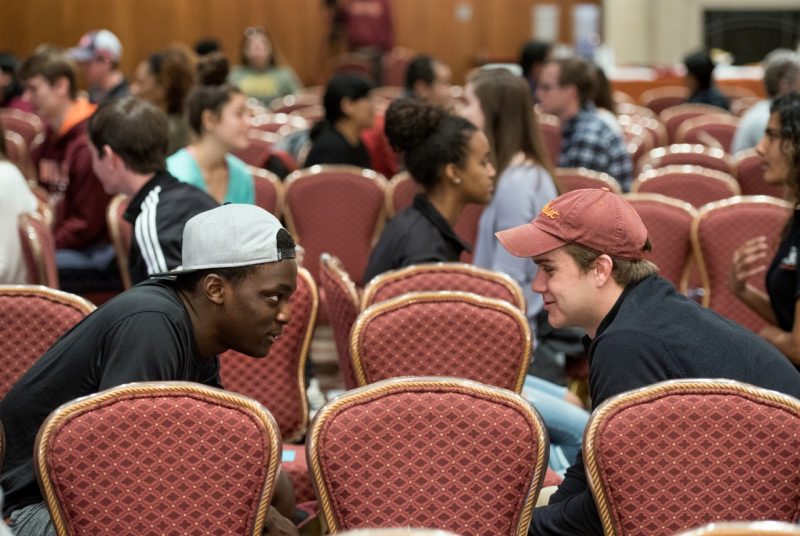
x,y
232,292
98,53
590,247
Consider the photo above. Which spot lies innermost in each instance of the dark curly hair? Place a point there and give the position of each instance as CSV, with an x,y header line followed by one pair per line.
x,y
429,137
788,109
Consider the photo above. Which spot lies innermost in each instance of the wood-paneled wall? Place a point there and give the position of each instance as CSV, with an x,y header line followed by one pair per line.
x,y
458,31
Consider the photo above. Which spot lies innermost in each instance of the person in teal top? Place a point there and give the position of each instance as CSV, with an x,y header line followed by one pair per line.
x,y
260,75
219,118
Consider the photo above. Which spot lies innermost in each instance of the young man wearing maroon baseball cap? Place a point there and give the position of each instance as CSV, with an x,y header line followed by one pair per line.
x,y
590,248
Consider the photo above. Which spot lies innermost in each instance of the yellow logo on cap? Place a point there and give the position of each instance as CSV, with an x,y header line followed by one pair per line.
x,y
549,211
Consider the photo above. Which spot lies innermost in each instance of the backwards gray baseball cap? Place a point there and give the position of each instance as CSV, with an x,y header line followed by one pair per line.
x,y
231,236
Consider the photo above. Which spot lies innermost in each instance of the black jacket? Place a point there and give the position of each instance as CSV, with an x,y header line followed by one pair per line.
x,y
654,334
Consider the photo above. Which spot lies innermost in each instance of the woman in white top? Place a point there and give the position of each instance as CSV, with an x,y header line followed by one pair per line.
x,y
500,104
15,199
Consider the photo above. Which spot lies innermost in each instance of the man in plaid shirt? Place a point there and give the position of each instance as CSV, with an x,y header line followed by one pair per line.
x,y
565,89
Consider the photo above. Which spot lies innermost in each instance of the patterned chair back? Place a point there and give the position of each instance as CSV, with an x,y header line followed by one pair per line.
x,y
158,458
745,528
32,319
443,276
660,98
679,454
456,334
38,250
550,127
578,178
694,184
428,452
278,380
290,103
684,154
669,227
281,124
343,305
750,176
121,235
717,231
338,209
269,190
674,116
712,130
259,149
400,193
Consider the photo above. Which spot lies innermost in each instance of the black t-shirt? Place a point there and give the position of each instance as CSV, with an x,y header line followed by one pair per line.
x,y
144,334
328,146
783,284
417,235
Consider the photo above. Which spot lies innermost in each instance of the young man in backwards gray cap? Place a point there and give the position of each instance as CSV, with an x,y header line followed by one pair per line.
x,y
232,292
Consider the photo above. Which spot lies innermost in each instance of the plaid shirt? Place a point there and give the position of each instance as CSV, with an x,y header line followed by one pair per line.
x,y
587,141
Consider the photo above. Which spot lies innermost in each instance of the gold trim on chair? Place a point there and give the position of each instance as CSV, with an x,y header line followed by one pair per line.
x,y
422,384
388,278
313,171
60,297
113,218
332,264
70,410
260,174
652,160
703,213
651,393
685,169
602,180
25,222
304,274
403,300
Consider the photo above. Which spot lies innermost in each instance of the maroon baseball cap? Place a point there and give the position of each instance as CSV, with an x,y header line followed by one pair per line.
x,y
595,218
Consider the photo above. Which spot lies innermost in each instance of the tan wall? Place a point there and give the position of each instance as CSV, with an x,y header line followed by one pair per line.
x,y
495,29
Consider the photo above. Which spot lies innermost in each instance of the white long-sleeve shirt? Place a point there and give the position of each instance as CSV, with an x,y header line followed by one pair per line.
x,y
15,198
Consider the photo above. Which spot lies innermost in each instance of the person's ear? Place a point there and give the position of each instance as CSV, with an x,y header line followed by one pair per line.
x,y
602,267
452,174
347,105
214,288
209,119
61,85
421,90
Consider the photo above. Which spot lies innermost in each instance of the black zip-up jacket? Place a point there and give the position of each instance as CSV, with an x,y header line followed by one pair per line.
x,y
158,213
653,334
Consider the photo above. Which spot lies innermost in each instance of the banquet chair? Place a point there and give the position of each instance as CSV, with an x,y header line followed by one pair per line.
x,y
712,130
674,116
578,178
296,101
158,458
400,193
669,228
281,124
259,148
750,175
120,231
33,318
686,154
443,276
343,305
26,124
338,209
17,153
448,333
268,190
745,528
683,453
660,98
440,453
694,184
717,231
278,380
550,127
38,249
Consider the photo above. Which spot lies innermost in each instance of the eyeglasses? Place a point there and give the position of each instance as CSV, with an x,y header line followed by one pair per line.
x,y
253,31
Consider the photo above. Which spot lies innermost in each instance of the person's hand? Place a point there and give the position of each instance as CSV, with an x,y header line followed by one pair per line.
x,y
748,260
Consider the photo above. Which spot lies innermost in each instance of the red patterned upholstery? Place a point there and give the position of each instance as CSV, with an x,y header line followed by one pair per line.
x,y
684,453
443,276
38,250
669,227
693,184
120,231
260,148
338,209
745,528
550,127
159,458
454,334
750,176
277,380
467,227
400,193
342,305
32,318
281,124
426,452
660,98
717,232
674,116
680,154
639,141
577,178
713,130
269,190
